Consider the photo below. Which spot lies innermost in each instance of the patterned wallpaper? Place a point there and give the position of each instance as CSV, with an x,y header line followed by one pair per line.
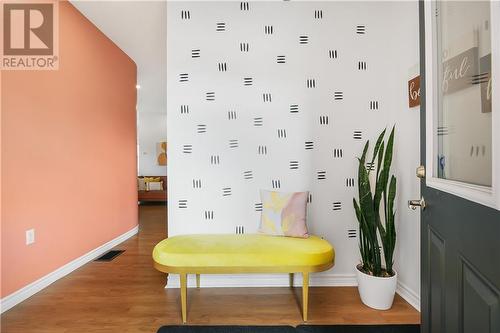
x,y
274,95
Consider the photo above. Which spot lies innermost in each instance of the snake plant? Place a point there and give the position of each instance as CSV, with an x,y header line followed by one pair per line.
x,y
372,226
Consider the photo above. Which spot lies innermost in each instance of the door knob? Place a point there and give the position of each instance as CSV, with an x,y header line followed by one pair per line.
x,y
421,172
413,204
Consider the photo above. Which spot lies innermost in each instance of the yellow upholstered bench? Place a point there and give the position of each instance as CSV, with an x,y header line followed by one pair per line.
x,y
252,253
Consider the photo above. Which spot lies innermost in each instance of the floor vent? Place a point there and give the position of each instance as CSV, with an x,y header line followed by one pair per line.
x,y
110,255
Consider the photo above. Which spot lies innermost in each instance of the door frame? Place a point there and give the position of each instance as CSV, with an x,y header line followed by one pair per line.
x,y
488,196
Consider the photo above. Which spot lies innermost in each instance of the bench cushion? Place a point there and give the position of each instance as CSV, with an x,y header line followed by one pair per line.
x,y
248,250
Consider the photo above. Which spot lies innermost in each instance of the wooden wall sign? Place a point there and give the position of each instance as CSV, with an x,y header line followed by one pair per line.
x,y
414,92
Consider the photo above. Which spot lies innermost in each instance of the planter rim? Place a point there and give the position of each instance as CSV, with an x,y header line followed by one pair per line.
x,y
378,277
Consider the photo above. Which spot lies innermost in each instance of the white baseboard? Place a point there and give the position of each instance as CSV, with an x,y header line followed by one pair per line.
x,y
263,280
408,295
281,280
17,297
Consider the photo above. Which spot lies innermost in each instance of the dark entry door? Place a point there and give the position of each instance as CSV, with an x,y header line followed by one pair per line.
x,y
460,225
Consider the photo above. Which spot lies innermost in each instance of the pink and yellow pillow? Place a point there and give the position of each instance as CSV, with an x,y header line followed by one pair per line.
x,y
284,214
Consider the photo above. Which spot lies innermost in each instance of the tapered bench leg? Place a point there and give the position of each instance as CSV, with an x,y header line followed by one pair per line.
x,y
183,296
198,281
305,294
290,278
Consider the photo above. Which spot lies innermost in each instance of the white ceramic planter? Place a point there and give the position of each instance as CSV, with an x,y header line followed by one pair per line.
x,y
377,292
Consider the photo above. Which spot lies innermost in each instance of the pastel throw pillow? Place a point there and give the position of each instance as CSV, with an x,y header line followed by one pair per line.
x,y
154,186
284,214
141,184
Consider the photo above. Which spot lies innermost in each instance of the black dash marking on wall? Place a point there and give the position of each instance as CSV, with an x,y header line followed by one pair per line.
x,y
323,120
195,53
226,191
310,198
184,109
442,130
221,26
262,150
201,128
210,96
303,39
370,166
321,175
214,159
233,143
231,115
361,29
311,83
362,65
480,78
337,205
185,15
333,54
294,108
352,233
318,14
281,59
240,230
309,145
187,149
247,81
209,215
338,152
258,121
267,97
358,135
244,6
474,150
281,133
248,174
258,207
276,183
268,29
244,47
183,77
294,165
183,203
349,182
110,255
338,95
373,105
196,183
222,66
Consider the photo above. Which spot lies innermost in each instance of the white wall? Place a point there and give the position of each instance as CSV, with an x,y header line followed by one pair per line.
x,y
389,47
151,129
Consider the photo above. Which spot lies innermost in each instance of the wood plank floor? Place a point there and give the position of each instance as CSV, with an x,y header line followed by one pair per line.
x,y
127,295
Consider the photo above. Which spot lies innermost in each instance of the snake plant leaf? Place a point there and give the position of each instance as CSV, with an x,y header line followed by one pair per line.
x,y
380,158
390,238
378,145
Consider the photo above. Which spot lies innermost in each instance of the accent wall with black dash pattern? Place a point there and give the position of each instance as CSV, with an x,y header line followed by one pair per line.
x,y
277,96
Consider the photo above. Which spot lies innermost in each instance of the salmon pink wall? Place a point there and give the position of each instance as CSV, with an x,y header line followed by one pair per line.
x,y
68,154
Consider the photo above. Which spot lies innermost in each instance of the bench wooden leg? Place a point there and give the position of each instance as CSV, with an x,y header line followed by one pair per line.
x,y
198,281
305,294
183,296
290,277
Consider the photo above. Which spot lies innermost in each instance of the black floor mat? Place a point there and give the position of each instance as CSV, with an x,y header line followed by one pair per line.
x,y
358,329
110,255
226,329
289,329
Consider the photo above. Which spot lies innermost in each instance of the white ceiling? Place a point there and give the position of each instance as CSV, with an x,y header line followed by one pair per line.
x,y
139,28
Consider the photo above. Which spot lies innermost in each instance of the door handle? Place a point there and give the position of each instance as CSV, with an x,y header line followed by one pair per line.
x,y
413,204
